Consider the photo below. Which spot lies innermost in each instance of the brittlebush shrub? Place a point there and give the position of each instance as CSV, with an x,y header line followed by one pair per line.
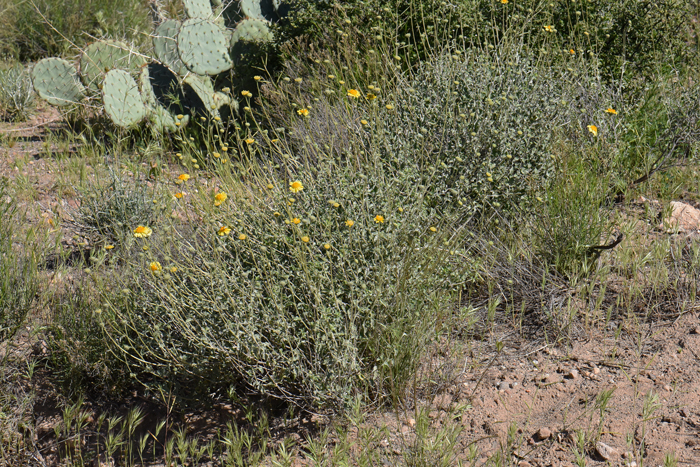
x,y
474,131
310,296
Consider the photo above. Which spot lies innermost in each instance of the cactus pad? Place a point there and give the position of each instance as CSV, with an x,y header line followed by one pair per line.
x,y
56,80
159,89
260,9
203,47
102,56
203,99
251,30
198,9
122,99
165,45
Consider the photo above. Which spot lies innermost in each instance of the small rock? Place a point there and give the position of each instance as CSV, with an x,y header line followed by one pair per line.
x,y
384,443
442,402
524,464
411,422
695,330
433,414
668,388
543,433
503,385
551,379
605,451
596,370
573,374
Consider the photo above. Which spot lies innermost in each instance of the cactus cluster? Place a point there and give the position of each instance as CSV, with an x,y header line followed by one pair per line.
x,y
178,81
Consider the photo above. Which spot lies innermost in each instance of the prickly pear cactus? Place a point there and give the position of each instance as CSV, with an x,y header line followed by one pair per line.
x,y
189,56
56,81
102,56
122,99
203,47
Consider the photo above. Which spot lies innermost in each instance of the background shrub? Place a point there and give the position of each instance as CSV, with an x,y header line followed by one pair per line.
x,y
27,36
624,39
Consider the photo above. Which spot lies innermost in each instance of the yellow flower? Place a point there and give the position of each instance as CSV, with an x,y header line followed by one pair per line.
x,y
593,129
109,247
298,80
353,93
303,112
572,51
142,231
257,77
224,148
433,229
505,2
296,220
349,223
242,237
220,198
389,107
179,195
370,96
249,140
400,209
223,231
276,214
610,110
336,205
550,28
246,94
270,186
183,177
216,154
180,117
327,246
295,186
155,267
305,239
173,269
364,122
379,219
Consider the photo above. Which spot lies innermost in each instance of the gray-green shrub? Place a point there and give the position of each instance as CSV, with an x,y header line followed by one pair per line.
x,y
16,94
18,267
310,312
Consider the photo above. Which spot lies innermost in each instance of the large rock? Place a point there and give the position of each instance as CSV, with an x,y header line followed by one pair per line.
x,y
683,218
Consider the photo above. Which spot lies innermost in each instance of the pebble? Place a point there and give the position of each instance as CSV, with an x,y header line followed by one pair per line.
x,y
524,464
605,451
573,374
544,433
596,370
